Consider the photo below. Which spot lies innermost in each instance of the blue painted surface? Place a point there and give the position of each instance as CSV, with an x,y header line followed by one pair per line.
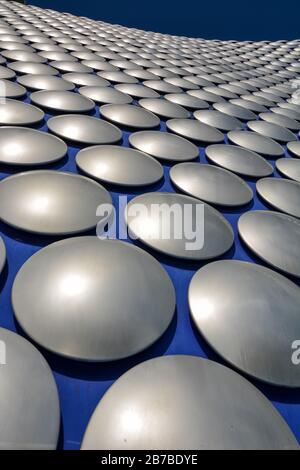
x,y
81,385
230,19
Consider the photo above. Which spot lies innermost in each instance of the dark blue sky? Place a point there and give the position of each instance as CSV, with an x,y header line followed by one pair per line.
x,y
231,19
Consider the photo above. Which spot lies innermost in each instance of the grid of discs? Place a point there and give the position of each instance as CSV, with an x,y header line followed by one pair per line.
x,y
89,112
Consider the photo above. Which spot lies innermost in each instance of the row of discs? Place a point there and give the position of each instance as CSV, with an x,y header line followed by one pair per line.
x,y
74,81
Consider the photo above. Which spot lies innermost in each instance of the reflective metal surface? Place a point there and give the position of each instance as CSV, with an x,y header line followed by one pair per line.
x,y
294,148
164,146
24,146
281,194
163,108
85,79
45,82
289,167
249,315
105,95
196,131
235,111
281,120
51,202
32,68
119,165
239,160
10,89
65,101
156,229
274,238
257,143
2,254
96,300
29,406
211,184
187,101
13,112
269,129
219,120
195,398
84,129
129,116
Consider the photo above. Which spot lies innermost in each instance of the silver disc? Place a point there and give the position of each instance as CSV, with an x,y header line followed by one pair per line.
x,y
84,129
149,220
294,148
129,115
11,90
119,165
16,113
85,79
164,146
163,108
281,194
274,238
25,146
221,121
274,131
105,95
95,300
29,405
257,143
51,202
64,101
249,315
239,160
185,402
45,82
2,254
211,184
195,130
289,167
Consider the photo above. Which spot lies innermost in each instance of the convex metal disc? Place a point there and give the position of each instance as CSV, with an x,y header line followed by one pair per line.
x,y
29,405
164,146
84,129
187,101
179,226
52,202
64,101
281,194
289,167
163,108
10,89
257,143
129,115
13,112
239,160
105,95
2,254
95,300
85,79
274,238
119,165
195,130
250,315
294,148
25,146
221,121
211,184
199,400
274,131
45,82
